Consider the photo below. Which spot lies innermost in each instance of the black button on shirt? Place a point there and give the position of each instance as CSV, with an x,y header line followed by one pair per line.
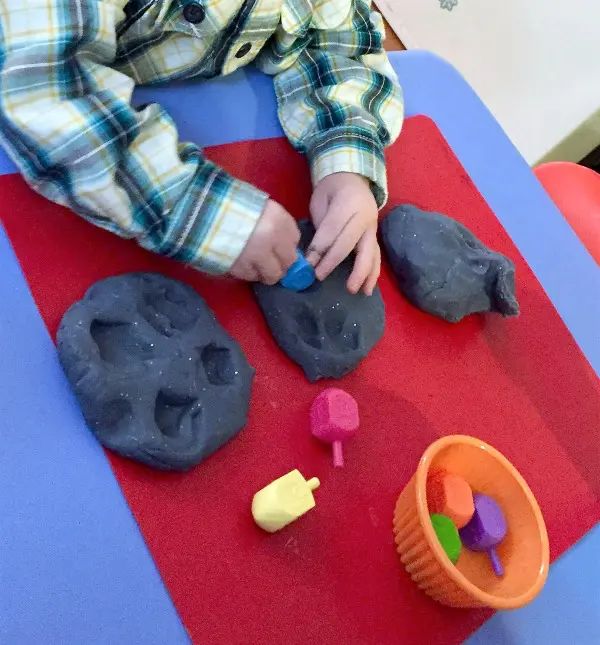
x,y
194,13
243,50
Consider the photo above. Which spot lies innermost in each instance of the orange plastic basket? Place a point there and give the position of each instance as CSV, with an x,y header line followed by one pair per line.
x,y
471,582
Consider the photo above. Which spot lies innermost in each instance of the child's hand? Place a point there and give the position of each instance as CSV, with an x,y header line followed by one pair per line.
x,y
344,212
271,249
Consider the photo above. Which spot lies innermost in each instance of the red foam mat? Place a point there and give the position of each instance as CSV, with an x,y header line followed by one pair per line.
x,y
333,577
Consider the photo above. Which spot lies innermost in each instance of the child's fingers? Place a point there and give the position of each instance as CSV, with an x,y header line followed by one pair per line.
x,y
341,248
371,281
319,204
286,252
243,270
294,234
328,232
270,269
286,256
363,264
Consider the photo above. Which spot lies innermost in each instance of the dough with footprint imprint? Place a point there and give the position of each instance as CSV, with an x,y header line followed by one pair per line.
x,y
158,379
325,329
443,269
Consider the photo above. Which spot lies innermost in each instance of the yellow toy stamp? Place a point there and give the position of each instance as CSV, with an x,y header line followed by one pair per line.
x,y
283,501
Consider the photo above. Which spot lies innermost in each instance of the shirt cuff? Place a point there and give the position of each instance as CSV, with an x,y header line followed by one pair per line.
x,y
349,149
221,221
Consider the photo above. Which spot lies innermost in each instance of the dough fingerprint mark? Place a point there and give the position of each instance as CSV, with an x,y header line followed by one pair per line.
x,y
308,327
166,310
217,364
173,413
118,343
334,322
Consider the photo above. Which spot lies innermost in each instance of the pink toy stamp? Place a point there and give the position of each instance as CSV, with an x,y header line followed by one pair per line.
x,y
334,419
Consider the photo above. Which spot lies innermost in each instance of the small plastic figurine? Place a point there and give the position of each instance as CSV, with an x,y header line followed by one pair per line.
x,y
300,275
486,530
283,501
450,495
447,534
334,419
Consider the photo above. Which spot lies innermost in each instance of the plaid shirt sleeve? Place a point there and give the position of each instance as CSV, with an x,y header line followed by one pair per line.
x,y
340,102
67,121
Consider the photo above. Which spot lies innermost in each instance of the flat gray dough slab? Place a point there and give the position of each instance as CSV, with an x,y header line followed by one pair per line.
x,y
325,329
443,269
158,379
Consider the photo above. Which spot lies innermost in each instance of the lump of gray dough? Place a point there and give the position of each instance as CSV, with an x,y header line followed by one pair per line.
x,y
443,269
158,379
325,329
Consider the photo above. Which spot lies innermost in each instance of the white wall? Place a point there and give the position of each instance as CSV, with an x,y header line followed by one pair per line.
x,y
535,63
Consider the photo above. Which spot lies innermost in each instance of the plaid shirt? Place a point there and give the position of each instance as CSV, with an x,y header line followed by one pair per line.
x,y
68,69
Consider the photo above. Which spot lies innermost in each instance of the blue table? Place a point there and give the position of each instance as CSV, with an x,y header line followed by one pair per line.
x,y
73,565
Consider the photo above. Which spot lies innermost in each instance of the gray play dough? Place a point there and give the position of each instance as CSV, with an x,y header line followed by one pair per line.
x,y
443,269
158,379
325,329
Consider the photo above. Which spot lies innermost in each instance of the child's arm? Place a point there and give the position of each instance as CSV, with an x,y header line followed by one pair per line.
x,y
339,103
67,121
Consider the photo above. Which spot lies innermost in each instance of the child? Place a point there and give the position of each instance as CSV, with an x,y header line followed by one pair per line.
x,y
68,70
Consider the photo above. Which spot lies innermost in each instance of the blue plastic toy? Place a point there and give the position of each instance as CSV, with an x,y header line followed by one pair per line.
x,y
300,275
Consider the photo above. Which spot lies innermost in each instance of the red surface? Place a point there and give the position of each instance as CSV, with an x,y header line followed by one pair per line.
x,y
576,191
333,577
